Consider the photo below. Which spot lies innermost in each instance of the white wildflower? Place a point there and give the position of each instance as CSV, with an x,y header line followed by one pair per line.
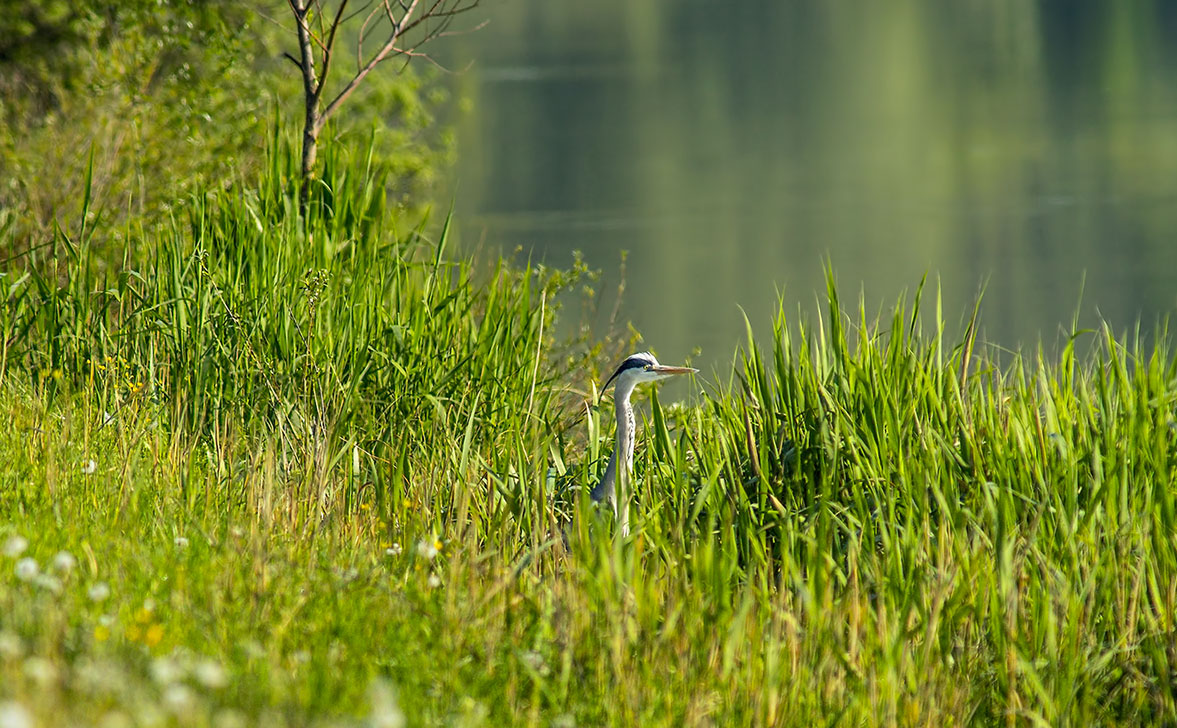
x,y
429,548
181,542
179,699
167,670
10,645
99,592
99,676
15,715
535,661
64,562
393,550
107,418
386,711
434,581
89,467
210,674
40,670
15,546
48,583
27,569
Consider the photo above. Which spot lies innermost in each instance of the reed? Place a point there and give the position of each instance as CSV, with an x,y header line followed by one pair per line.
x,y
283,470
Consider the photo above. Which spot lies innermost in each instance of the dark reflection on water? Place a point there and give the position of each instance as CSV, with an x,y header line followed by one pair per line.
x,y
732,147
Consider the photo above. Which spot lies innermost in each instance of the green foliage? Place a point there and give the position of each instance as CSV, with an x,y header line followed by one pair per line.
x,y
166,97
973,542
323,469
323,332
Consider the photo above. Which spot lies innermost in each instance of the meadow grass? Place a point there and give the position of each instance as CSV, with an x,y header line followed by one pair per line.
x,y
277,471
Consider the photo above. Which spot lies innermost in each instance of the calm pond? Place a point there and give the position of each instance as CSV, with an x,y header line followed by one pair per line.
x,y
732,147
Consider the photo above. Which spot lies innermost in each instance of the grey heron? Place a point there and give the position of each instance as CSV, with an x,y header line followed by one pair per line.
x,y
613,490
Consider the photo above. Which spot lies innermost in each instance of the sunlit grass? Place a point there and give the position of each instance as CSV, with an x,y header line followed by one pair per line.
x,y
276,472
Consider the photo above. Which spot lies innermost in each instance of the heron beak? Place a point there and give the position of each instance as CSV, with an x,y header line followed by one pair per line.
x,y
673,370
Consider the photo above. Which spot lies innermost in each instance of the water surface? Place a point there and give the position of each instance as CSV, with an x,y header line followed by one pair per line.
x,y
732,147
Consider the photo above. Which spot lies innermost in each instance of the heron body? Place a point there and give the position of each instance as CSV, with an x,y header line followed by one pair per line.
x,y
613,490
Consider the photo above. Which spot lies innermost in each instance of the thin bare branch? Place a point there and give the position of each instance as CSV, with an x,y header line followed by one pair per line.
x,y
447,14
356,13
443,16
410,25
464,31
319,14
356,80
410,54
364,35
316,38
261,13
328,52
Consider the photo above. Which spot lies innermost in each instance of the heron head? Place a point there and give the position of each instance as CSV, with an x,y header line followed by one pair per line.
x,y
640,368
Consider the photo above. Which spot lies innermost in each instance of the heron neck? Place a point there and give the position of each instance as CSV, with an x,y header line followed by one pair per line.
x,y
626,431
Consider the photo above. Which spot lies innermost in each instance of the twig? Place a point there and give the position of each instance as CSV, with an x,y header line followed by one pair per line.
x,y
327,52
363,72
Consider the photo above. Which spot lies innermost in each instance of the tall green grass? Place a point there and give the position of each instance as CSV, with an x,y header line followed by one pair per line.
x,y
335,339
334,460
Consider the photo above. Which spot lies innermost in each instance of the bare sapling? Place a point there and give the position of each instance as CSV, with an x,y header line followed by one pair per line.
x,y
389,30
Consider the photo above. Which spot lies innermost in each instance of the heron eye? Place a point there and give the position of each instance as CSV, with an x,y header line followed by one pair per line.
x,y
649,367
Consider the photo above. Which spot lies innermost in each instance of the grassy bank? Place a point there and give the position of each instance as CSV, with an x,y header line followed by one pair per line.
x,y
314,473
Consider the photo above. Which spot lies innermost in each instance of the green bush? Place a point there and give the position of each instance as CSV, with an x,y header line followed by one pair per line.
x,y
160,100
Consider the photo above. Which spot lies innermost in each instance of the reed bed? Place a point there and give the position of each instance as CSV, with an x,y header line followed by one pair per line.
x,y
268,470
